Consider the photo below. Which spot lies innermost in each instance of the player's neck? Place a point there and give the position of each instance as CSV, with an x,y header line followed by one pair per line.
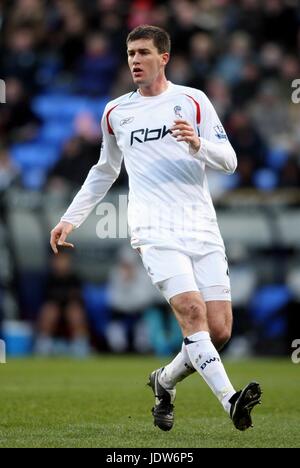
x,y
156,88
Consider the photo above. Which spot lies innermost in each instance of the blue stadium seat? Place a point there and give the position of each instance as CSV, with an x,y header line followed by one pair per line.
x,y
49,67
96,107
96,303
265,179
276,158
34,178
56,133
35,160
66,107
58,107
265,306
28,155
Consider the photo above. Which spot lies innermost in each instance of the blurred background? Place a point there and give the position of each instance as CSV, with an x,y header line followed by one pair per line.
x,y
61,61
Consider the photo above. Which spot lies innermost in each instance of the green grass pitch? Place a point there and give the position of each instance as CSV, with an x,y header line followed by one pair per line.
x,y
103,402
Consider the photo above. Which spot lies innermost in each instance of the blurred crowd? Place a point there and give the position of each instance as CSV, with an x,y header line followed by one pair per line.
x,y
62,60
244,54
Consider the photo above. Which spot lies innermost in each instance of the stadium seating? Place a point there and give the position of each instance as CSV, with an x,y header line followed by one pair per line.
x,y
265,179
96,303
64,108
248,228
276,157
289,228
93,254
28,155
28,240
35,160
265,308
243,279
56,133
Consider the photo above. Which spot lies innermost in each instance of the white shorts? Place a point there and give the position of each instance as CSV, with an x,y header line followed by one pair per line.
x,y
174,272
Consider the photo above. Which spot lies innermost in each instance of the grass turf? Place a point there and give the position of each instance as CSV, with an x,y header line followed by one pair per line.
x,y
103,402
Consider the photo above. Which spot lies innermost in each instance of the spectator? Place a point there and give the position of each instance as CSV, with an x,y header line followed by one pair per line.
x,y
97,67
18,122
20,58
183,25
140,319
230,65
290,173
130,293
245,91
245,138
179,71
63,314
72,41
202,52
275,129
9,172
9,176
71,170
220,95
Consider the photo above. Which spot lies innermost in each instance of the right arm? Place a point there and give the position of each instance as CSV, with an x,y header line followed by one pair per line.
x,y
98,182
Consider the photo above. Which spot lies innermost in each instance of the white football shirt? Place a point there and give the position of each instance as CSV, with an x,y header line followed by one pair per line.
x,y
168,191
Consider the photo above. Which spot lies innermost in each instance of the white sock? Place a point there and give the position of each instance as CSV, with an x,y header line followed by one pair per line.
x,y
206,360
180,368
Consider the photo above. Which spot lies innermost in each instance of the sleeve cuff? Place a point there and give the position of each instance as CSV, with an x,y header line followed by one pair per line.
x,y
70,222
202,152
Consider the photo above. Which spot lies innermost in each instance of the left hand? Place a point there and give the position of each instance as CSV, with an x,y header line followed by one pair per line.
x,y
183,131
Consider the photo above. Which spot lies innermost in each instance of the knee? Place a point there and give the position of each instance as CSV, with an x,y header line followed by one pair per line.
x,y
75,315
49,314
193,308
221,337
190,310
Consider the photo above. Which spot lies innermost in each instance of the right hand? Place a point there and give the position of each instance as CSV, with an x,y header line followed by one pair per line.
x,y
59,235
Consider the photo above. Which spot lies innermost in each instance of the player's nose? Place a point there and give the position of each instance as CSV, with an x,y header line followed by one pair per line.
x,y
136,59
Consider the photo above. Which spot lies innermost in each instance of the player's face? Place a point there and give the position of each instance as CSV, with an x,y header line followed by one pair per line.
x,y
145,62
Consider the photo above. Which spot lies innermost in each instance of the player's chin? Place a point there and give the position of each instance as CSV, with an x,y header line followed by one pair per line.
x,y
138,80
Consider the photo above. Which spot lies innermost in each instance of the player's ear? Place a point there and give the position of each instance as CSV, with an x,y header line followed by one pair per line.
x,y
165,57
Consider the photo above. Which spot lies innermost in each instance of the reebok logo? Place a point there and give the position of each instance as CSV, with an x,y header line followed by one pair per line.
x,y
208,361
142,135
126,121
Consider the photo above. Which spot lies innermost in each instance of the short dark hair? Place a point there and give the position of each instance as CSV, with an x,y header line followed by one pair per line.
x,y
161,39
